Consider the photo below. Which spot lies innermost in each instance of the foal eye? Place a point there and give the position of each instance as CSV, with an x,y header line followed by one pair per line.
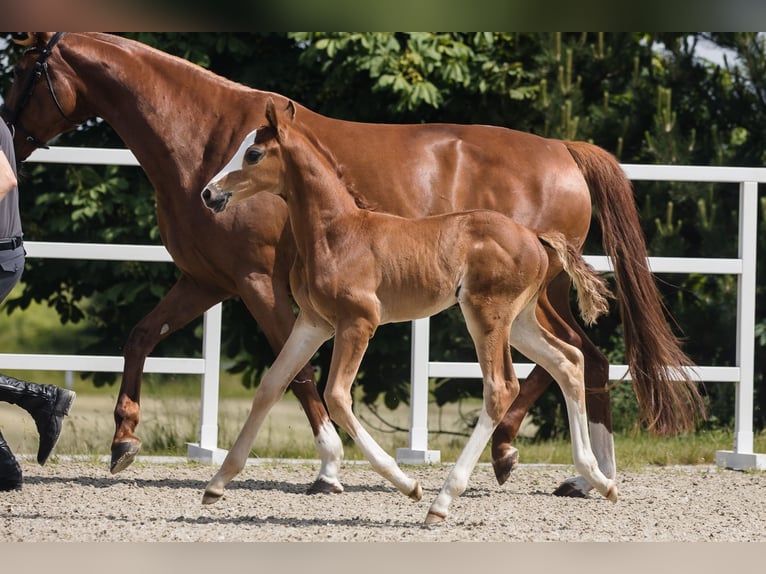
x,y
253,156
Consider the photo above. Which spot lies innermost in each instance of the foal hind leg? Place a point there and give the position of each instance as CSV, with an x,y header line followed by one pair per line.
x,y
350,343
596,385
303,342
505,456
565,362
185,301
490,335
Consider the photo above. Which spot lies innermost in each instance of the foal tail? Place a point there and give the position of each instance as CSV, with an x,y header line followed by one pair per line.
x,y
592,290
669,401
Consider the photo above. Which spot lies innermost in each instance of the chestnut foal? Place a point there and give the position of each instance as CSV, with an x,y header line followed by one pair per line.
x,y
357,269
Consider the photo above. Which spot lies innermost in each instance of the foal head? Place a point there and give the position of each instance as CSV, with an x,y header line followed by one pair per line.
x,y
257,166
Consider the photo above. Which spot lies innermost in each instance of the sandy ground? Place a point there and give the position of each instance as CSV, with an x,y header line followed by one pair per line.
x,y
160,501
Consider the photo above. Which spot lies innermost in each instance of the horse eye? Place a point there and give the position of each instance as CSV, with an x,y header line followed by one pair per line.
x,y
253,155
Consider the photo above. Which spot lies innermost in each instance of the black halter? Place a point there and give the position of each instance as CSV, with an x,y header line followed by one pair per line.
x,y
40,69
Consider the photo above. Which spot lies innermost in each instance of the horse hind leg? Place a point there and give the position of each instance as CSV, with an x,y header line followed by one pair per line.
x,y
565,363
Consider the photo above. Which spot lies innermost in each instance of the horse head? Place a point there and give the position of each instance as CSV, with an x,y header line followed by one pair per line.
x,y
256,166
42,99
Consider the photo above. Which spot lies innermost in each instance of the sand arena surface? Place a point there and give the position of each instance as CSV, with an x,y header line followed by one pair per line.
x,y
80,501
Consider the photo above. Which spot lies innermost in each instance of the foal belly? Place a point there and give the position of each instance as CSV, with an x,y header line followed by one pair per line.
x,y
409,306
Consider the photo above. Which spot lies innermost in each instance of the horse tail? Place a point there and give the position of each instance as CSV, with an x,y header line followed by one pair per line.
x,y
669,401
593,292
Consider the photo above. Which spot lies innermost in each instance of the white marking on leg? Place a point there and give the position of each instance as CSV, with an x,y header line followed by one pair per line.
x,y
164,329
584,460
330,450
457,480
603,448
382,462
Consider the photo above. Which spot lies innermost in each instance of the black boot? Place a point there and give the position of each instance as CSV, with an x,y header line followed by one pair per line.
x,y
10,472
48,404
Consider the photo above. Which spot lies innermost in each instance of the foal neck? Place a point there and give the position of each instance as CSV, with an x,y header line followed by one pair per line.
x,y
318,196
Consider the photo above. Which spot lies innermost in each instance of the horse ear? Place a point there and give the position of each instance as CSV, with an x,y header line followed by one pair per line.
x,y
23,38
271,115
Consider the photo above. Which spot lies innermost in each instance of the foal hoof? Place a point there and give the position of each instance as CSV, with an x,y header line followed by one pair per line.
x,y
569,490
433,518
503,466
611,493
324,486
123,454
211,497
417,492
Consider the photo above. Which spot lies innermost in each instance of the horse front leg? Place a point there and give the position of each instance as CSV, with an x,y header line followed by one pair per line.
x,y
304,341
185,301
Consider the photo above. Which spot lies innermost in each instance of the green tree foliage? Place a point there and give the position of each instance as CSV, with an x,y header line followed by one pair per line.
x,y
648,98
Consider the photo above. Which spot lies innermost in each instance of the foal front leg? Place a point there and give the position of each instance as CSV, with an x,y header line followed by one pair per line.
x,y
304,341
350,344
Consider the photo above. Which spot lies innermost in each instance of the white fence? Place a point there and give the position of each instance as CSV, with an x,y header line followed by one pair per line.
x,y
744,267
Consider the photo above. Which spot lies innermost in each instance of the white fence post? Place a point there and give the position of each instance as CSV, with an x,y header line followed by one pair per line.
x,y
418,452
206,450
743,457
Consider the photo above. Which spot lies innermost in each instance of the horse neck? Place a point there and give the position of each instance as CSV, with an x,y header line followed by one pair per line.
x,y
319,197
140,92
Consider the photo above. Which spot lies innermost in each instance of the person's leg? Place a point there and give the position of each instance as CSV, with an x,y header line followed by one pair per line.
x,y
48,404
10,472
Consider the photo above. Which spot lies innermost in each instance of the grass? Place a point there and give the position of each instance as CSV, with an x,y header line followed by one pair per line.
x,y
170,415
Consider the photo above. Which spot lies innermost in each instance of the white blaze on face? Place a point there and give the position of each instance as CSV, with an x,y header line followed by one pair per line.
x,y
235,163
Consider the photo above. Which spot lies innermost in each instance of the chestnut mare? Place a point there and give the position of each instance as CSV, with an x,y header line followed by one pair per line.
x,y
357,269
183,122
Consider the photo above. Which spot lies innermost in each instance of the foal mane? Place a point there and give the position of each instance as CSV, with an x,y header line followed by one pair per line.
x,y
267,133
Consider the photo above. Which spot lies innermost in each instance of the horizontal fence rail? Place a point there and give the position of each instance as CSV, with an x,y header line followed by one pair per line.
x,y
208,366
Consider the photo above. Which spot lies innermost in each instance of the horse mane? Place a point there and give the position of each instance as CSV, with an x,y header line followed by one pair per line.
x,y
133,46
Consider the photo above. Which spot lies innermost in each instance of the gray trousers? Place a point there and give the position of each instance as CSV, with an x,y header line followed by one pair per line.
x,y
10,274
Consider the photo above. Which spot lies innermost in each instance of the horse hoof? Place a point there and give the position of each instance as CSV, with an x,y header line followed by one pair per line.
x,y
123,454
433,518
611,493
503,466
323,486
211,497
569,490
417,492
